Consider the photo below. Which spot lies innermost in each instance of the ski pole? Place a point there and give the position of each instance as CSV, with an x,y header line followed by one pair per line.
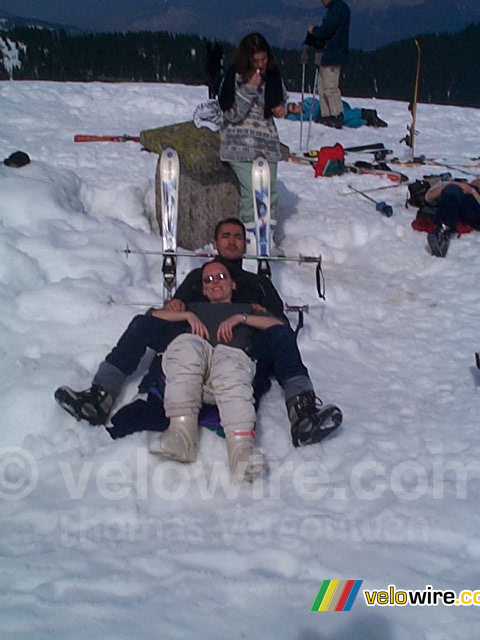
x,y
210,254
303,62
381,206
388,186
312,106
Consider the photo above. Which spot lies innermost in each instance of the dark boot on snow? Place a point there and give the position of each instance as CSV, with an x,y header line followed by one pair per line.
x,y
311,420
92,405
371,116
439,241
336,122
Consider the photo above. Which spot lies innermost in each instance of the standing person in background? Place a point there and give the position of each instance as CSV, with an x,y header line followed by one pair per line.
x,y
331,44
251,95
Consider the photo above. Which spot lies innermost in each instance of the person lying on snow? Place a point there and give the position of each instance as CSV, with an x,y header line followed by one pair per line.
x,y
456,202
213,364
274,350
352,117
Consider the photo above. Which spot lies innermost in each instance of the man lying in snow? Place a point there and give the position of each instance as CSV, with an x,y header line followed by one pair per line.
x,y
352,117
275,351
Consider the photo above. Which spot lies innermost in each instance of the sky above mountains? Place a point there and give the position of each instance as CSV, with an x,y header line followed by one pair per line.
x,y
283,22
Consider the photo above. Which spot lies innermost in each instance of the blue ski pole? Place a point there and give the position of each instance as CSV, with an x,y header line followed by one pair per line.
x,y
381,206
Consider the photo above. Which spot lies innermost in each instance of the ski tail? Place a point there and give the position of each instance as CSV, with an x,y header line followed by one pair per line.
x,y
262,210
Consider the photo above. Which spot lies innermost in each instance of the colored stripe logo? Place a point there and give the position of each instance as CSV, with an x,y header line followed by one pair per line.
x,y
336,595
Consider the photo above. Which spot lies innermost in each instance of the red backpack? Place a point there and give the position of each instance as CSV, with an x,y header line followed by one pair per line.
x,y
330,161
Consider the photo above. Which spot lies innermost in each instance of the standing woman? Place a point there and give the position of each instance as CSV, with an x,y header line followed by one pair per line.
x,y
252,94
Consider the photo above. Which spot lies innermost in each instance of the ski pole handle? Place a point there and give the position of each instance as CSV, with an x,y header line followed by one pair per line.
x,y
384,208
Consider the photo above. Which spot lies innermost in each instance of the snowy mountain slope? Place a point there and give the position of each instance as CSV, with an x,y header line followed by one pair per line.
x,y
99,539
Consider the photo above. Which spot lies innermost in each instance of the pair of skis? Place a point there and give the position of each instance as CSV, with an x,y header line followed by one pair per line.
x,y
170,177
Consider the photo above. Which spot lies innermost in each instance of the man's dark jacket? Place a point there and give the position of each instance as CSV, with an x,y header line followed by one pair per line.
x,y
332,37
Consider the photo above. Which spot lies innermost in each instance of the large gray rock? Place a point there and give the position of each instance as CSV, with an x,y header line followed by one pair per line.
x,y
209,189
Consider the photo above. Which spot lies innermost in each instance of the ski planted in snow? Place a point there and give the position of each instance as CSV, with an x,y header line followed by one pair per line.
x,y
169,179
88,138
409,139
261,207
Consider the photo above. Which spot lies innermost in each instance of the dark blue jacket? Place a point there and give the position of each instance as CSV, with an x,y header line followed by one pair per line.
x,y
333,34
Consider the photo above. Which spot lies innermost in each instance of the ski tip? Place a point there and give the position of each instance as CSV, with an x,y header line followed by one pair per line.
x,y
477,360
169,151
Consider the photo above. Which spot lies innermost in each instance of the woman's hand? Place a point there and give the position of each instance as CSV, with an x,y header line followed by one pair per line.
x,y
225,328
196,325
256,79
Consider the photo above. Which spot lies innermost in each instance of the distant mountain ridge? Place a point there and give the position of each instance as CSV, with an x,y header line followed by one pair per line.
x,y
374,24
450,64
11,21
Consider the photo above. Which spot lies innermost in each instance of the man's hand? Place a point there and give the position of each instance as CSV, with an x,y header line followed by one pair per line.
x,y
258,307
175,305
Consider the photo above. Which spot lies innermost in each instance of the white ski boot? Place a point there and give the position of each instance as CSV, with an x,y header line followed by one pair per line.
x,y
246,461
179,441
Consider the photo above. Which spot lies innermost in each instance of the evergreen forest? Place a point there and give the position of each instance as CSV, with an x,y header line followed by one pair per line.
x,y
449,65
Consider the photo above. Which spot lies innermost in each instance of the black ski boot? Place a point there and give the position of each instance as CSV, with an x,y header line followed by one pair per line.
x,y
310,420
336,122
92,405
371,116
439,241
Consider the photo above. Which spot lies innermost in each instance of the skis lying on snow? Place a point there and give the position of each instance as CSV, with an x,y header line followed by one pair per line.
x,y
377,149
320,280
422,160
364,168
383,171
169,179
88,138
93,138
262,212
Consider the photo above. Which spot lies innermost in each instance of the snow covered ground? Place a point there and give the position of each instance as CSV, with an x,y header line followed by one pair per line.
x,y
99,539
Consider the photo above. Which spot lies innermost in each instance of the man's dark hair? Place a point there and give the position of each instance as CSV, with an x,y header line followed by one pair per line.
x,y
232,220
